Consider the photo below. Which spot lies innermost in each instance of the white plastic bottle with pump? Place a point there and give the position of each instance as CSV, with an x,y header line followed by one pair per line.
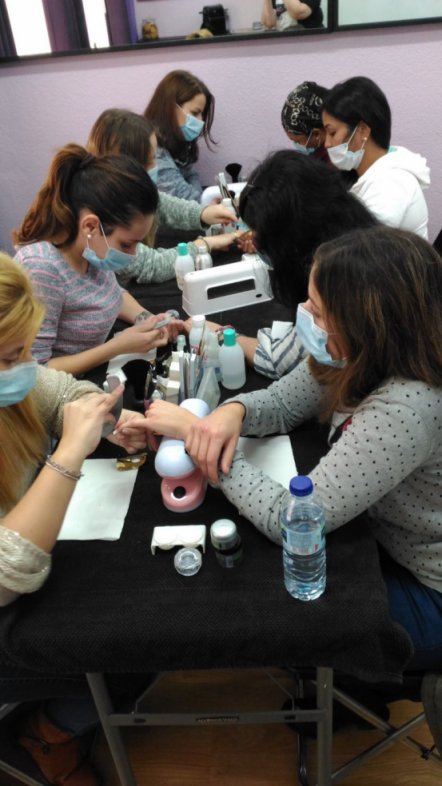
x,y
303,540
196,332
232,361
183,264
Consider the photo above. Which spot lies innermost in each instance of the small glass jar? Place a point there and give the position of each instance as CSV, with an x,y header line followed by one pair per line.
x,y
227,543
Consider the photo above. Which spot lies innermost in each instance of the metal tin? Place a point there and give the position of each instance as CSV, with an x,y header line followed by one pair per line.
x,y
203,260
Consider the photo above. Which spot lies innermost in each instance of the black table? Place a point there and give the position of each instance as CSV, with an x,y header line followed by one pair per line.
x,y
113,608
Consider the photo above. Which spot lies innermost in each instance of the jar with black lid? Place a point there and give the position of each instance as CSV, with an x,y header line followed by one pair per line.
x,y
227,543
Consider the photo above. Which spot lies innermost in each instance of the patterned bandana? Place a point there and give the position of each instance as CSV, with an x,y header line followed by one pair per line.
x,y
303,108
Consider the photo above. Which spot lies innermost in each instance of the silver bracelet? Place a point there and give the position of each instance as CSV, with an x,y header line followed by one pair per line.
x,y
67,473
200,237
142,316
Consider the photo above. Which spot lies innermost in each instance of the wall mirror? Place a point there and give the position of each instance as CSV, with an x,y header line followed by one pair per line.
x,y
38,28
349,14
32,28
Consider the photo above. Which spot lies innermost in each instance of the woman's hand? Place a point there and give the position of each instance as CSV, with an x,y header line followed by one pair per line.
x,y
142,337
217,214
219,242
83,421
211,441
130,432
161,419
246,242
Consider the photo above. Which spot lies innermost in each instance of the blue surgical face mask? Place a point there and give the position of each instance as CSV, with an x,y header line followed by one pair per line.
x,y
346,159
192,128
314,339
153,174
114,259
17,382
304,149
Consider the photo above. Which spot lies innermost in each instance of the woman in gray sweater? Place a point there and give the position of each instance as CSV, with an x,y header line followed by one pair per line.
x,y
372,331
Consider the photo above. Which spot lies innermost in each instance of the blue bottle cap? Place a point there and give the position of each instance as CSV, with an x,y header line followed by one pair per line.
x,y
301,486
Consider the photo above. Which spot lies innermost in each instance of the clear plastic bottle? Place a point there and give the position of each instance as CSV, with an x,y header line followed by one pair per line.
x,y
231,227
303,539
196,332
232,361
183,264
211,354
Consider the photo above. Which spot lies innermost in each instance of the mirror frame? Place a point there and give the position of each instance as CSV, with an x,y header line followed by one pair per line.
x,y
332,26
266,35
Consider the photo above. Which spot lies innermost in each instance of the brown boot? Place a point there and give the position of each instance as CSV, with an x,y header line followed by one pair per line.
x,y
60,756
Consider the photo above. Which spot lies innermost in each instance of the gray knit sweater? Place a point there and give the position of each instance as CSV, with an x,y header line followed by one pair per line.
x,y
158,264
387,461
23,566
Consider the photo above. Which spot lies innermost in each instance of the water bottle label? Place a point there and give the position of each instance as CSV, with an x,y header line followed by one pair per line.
x,y
303,543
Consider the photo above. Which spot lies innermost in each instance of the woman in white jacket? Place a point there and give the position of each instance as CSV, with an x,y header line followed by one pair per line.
x,y
357,122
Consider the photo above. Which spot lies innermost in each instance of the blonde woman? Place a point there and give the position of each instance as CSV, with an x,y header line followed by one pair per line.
x,y
38,404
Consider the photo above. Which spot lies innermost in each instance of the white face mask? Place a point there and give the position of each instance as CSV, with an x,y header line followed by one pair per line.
x,y
346,159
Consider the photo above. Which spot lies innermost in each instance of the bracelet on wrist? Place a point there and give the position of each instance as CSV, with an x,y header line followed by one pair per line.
x,y
67,473
206,245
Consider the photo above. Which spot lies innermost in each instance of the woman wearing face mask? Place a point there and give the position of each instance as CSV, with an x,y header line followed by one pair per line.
x,y
181,110
293,204
123,132
374,371
357,122
301,119
37,404
82,228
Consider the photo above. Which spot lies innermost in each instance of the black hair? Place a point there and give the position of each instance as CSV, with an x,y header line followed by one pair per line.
x,y
359,98
294,203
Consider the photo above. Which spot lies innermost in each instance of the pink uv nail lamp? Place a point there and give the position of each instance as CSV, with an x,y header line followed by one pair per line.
x,y
183,487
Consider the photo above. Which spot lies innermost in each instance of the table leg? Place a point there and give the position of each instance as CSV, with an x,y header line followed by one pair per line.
x,y
114,739
324,701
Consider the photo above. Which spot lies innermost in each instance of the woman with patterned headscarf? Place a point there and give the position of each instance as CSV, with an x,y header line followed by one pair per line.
x,y
301,119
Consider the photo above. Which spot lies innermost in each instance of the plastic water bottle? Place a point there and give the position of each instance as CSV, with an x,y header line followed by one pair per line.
x,y
303,539
232,361
183,264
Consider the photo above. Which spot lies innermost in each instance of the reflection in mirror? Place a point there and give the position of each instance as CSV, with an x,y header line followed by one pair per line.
x,y
177,19
384,11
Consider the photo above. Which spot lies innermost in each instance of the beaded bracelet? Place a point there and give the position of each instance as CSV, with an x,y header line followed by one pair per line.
x,y
200,237
62,470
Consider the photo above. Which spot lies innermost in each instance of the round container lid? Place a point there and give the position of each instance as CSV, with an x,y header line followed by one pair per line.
x,y
223,530
198,320
187,561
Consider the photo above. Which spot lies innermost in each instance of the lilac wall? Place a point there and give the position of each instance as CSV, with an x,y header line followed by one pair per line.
x,y
45,104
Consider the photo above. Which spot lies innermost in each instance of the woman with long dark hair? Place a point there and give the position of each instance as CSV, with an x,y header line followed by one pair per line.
x,y
293,204
82,228
372,330
181,111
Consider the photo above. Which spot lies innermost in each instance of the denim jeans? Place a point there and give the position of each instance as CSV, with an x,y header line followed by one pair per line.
x,y
419,610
